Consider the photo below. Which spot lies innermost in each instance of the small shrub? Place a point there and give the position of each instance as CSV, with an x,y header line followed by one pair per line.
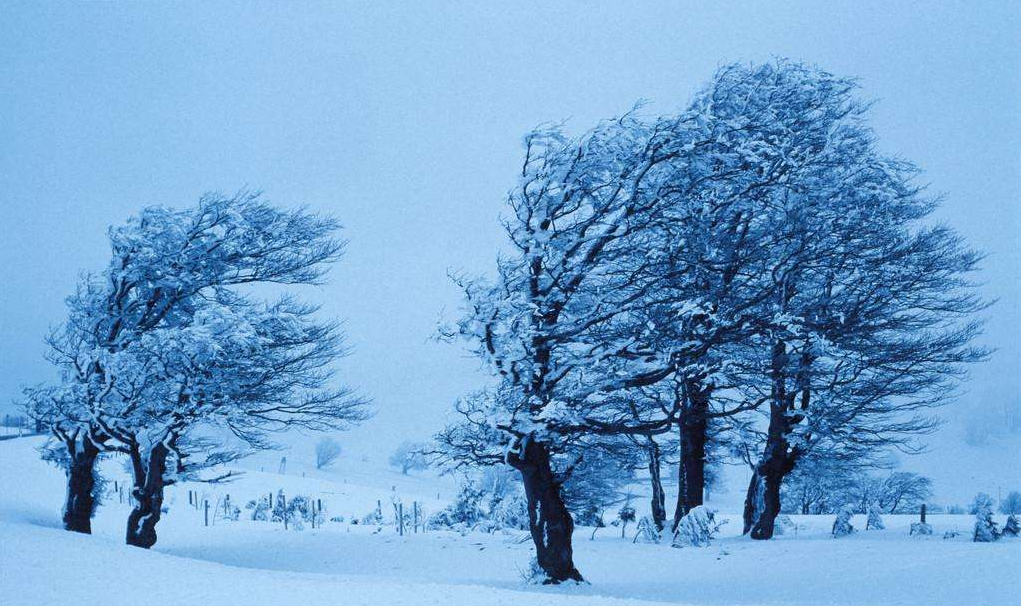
x,y
697,528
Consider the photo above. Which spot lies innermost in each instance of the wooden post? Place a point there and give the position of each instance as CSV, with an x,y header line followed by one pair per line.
x,y
414,513
283,505
400,518
207,511
923,513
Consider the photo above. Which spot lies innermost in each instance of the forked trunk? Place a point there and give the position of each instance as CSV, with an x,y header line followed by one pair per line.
x,y
549,521
148,488
81,481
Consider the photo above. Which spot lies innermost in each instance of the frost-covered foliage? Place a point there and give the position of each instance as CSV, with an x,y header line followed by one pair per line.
x,y
986,530
842,525
296,511
488,505
875,519
697,528
465,512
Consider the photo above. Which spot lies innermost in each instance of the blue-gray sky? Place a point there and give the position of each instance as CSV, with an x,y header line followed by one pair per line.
x,y
405,119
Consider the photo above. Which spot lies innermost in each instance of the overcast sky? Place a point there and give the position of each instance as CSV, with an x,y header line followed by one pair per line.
x,y
405,121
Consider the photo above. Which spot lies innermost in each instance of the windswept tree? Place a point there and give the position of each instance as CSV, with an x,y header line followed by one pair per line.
x,y
870,318
327,451
162,355
410,456
579,225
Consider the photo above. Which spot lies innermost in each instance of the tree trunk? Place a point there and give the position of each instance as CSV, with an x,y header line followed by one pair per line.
x,y
765,524
549,521
149,483
752,502
658,495
778,457
694,432
693,442
81,481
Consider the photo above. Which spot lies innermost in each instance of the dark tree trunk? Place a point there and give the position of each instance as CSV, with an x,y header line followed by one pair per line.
x,y
765,524
693,442
779,457
658,495
694,435
81,481
549,521
149,482
752,502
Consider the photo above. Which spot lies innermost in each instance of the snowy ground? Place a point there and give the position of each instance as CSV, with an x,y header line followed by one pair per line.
x,y
256,563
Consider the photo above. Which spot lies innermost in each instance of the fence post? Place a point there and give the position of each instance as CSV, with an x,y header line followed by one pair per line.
x,y
400,517
207,511
283,505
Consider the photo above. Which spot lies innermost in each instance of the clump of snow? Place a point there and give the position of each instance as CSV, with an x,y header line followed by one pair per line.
x,y
920,529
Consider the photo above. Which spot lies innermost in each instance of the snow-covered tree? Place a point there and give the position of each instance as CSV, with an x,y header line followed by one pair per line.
x,y
842,525
327,452
875,519
410,456
986,530
169,363
870,321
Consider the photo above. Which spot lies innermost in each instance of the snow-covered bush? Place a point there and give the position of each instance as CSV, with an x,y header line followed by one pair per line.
x,y
697,528
951,534
1012,527
783,522
464,513
625,515
510,512
373,518
647,531
920,528
842,525
985,528
260,509
875,521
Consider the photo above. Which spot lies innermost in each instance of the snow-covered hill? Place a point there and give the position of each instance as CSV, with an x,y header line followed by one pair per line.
x,y
256,563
